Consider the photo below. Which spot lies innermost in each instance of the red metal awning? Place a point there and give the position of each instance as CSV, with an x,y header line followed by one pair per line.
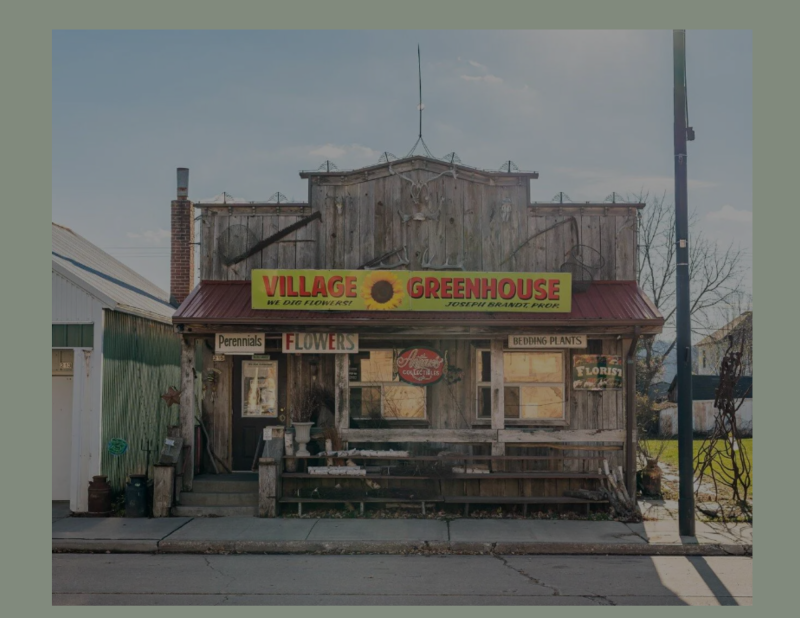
x,y
605,303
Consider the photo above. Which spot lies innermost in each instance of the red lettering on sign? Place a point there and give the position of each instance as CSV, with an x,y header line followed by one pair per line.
x,y
507,288
473,288
541,290
488,288
458,287
524,289
303,291
415,287
335,287
350,287
319,286
290,287
282,285
270,283
431,287
552,290
447,287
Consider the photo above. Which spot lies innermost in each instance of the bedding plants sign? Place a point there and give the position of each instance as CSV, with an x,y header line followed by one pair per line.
x,y
596,372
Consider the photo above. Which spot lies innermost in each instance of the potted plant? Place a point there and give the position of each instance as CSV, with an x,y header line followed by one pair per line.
x,y
307,405
649,477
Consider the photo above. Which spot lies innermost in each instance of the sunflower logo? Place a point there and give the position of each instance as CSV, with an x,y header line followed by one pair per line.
x,y
382,290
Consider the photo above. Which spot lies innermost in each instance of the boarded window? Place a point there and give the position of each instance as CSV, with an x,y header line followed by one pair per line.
x,y
377,392
545,367
534,385
403,401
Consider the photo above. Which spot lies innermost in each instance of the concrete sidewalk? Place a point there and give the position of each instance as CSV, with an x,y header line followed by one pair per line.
x,y
396,536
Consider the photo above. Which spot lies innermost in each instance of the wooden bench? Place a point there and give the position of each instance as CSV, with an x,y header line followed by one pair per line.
x,y
301,501
404,465
523,500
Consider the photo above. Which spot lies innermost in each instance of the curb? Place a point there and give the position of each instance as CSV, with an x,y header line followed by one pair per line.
x,y
118,546
394,547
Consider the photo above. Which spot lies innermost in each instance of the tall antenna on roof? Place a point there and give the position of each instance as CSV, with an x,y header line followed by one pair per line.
x,y
420,107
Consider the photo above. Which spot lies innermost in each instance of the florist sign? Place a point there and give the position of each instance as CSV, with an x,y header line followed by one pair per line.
x,y
420,366
594,372
383,290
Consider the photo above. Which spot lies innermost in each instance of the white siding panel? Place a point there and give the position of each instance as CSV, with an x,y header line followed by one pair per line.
x,y
71,303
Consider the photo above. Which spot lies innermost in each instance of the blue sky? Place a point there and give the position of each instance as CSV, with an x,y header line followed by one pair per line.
x,y
591,111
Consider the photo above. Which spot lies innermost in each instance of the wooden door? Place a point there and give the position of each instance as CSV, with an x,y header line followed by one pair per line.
x,y
259,400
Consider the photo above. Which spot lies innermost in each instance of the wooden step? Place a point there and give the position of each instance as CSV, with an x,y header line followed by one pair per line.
x,y
224,483
224,498
214,511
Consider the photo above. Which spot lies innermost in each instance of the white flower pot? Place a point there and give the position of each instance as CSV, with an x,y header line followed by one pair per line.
x,y
302,435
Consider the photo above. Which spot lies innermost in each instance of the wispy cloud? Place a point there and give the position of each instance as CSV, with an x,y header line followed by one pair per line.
x,y
153,237
729,213
489,79
486,78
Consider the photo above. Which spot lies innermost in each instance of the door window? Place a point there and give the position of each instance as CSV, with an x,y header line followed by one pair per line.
x,y
260,389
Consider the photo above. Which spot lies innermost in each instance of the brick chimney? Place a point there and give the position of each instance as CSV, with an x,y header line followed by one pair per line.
x,y
181,280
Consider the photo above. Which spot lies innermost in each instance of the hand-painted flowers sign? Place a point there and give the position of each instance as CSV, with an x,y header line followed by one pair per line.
x,y
595,372
420,366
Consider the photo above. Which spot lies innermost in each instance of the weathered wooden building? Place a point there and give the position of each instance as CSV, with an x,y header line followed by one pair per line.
x,y
513,372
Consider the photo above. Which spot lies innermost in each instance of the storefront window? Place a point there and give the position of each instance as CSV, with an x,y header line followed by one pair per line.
x,y
534,386
377,392
260,388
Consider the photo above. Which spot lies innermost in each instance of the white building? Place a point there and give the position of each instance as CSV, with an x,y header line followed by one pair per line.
x,y
94,294
712,348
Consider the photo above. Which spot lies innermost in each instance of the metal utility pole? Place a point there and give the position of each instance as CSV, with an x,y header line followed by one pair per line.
x,y
684,328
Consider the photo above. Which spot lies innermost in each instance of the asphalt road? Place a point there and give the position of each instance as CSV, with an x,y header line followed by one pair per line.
x,y
141,579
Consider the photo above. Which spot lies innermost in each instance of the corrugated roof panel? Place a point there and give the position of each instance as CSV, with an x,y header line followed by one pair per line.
x,y
87,262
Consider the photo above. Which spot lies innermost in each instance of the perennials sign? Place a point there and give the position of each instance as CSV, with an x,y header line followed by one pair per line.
x,y
384,290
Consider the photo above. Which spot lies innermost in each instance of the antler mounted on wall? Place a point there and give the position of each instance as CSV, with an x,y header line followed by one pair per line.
x,y
427,264
378,262
419,190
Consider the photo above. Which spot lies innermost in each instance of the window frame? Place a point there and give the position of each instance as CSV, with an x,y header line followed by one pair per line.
x,y
551,422
382,384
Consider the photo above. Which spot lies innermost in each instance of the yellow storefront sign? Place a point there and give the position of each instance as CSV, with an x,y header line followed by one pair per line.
x,y
385,290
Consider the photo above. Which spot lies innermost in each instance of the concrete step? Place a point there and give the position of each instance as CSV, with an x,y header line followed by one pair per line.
x,y
226,483
214,511
224,498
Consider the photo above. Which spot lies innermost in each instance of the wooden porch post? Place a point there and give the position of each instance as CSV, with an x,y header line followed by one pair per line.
x,y
629,347
342,378
498,398
187,410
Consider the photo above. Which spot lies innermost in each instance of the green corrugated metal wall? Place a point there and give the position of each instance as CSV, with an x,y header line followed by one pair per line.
x,y
141,360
